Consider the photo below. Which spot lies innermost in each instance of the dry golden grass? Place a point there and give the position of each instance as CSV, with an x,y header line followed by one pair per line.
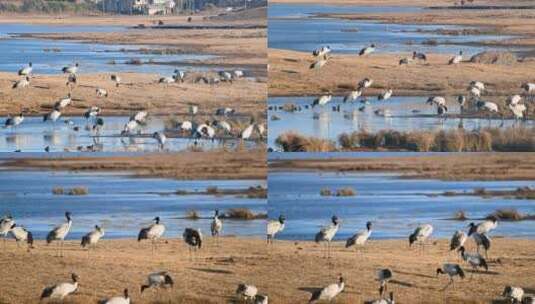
x,y
289,74
287,273
293,142
140,91
184,165
456,166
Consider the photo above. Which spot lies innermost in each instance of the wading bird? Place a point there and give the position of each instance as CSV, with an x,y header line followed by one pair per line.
x,y
513,294
92,238
246,292
390,300
360,238
367,50
365,83
421,234
20,234
5,226
318,64
124,299
483,227
216,226
22,83
193,238
63,102
26,71
153,232
101,92
321,51
457,58
161,138
60,232
115,78
158,280
419,56
383,276
322,100
385,95
482,240
72,69
327,233
353,95
328,293
451,270
457,240
61,290
274,227
14,121
474,259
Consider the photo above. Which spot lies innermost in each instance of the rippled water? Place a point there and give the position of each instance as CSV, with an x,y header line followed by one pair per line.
x,y
33,135
121,204
292,26
92,57
325,123
395,206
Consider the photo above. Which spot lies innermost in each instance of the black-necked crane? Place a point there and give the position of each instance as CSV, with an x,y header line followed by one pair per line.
x,y
461,99
513,294
321,51
21,234
436,100
167,80
384,276
247,132
124,299
5,226
63,102
421,234
225,76
390,300
474,259
367,50
405,61
365,83
204,131
385,95
457,240
153,232
22,83
14,121
318,64
246,292
482,240
329,292
101,92
442,110
222,125
53,116
452,270
263,299
477,84
474,92
274,227
419,56
92,112
160,279
487,106
237,74
186,126
322,100
216,226
519,110
327,233
72,80
60,232
457,58
61,290
353,95
160,138
193,238
513,100
72,69
129,127
91,239
116,79
180,76
27,70
360,238
484,227
529,90
225,111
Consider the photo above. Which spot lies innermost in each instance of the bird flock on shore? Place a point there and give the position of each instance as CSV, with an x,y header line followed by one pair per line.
x,y
471,104
193,238
224,123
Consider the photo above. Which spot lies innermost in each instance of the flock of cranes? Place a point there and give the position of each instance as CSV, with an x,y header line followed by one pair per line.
x,y
517,104
225,124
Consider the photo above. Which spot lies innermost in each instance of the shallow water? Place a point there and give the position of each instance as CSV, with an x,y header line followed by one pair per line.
x,y
121,204
330,124
292,27
395,206
33,135
92,57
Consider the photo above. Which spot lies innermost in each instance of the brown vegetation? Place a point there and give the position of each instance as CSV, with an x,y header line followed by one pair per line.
x,y
293,142
287,274
456,166
242,214
185,165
